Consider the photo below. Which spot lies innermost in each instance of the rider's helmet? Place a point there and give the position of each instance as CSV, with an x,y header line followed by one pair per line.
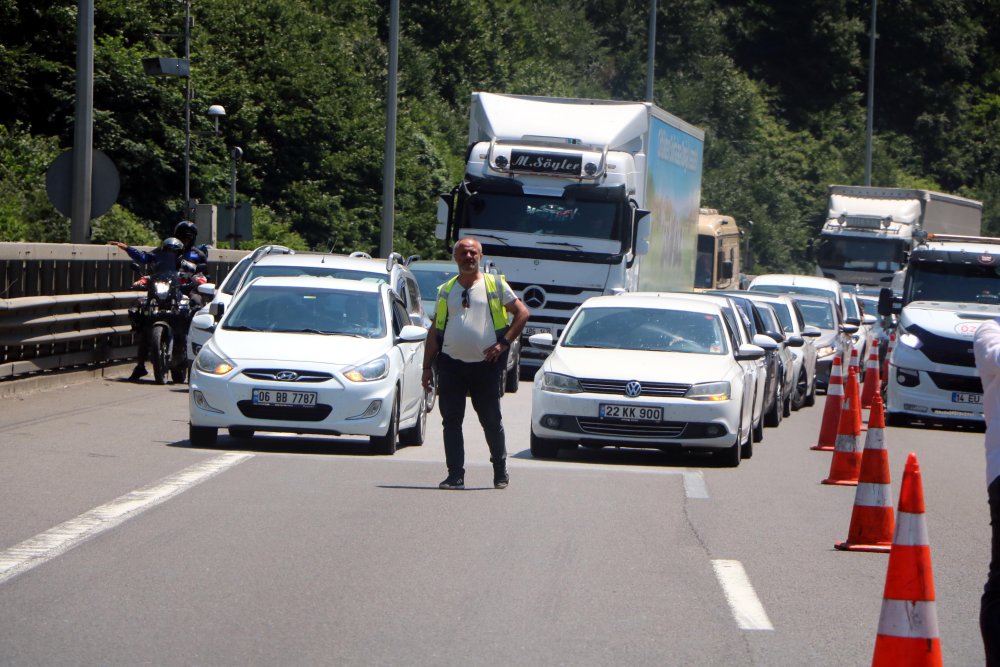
x,y
186,229
173,245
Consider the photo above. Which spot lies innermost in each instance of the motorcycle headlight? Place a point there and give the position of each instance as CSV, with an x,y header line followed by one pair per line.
x,y
560,384
161,290
212,362
709,391
376,369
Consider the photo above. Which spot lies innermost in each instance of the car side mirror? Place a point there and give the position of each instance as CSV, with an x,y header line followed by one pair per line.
x,y
848,328
811,332
205,322
411,333
888,303
795,341
216,310
853,320
765,342
748,352
544,340
869,319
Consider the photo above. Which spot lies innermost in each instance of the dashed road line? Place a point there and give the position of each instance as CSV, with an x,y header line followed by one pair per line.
x,y
58,540
743,601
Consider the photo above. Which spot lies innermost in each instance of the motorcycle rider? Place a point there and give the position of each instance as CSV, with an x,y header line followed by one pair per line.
x,y
165,258
187,232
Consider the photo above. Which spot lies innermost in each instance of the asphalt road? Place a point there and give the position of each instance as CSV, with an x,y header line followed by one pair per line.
x,y
122,545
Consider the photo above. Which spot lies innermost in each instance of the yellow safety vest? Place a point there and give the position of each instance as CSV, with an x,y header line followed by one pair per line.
x,y
497,310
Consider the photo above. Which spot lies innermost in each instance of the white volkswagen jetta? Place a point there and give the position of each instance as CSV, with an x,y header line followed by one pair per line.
x,y
653,371
311,355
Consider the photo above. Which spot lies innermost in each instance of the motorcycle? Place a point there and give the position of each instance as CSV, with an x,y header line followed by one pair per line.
x,y
162,318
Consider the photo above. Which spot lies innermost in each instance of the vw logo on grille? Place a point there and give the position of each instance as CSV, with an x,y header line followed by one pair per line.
x,y
534,296
633,389
286,376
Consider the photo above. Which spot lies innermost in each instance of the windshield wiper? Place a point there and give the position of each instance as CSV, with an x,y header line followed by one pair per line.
x,y
240,327
491,236
563,243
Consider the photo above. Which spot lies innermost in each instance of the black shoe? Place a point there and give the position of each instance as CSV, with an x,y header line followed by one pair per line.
x,y
500,478
137,372
453,482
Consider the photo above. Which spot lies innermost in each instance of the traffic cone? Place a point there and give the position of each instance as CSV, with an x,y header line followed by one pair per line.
x,y
831,412
853,394
873,380
907,626
855,362
872,518
846,463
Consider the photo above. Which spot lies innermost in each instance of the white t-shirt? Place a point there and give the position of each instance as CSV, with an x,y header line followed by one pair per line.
x,y
469,331
986,346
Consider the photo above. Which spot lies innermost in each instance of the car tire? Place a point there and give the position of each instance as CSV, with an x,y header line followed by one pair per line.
x,y
415,434
786,405
757,432
202,436
800,391
730,457
513,378
544,448
773,416
241,433
810,399
385,445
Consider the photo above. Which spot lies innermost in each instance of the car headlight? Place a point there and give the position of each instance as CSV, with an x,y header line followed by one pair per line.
x,y
377,369
560,384
910,340
825,351
212,362
709,391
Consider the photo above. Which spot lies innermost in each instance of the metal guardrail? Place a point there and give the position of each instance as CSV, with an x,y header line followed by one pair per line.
x,y
65,305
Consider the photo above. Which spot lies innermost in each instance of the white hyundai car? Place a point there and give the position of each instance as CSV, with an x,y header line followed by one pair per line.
x,y
649,371
311,355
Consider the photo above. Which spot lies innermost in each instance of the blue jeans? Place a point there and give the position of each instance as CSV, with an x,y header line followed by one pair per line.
x,y
989,615
480,381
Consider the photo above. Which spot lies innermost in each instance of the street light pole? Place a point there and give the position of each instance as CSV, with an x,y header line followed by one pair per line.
x,y
236,153
389,169
651,51
187,113
869,130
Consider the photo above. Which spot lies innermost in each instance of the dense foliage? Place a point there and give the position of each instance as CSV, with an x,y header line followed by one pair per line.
x,y
778,87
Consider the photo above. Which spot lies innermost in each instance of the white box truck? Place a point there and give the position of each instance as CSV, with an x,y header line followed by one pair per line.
x,y
577,198
869,230
951,286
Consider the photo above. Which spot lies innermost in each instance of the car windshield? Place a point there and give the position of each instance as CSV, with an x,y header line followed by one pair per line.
x,y
319,271
954,282
651,329
817,313
430,279
303,310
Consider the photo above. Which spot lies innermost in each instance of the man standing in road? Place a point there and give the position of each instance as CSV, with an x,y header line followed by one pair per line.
x,y
986,346
469,340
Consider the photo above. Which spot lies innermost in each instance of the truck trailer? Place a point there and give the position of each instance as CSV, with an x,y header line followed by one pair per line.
x,y
577,198
951,286
869,230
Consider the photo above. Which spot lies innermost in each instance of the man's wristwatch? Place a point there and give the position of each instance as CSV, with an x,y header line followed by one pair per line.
x,y
504,342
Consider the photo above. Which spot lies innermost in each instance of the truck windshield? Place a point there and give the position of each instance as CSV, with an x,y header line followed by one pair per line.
x,y
858,254
956,283
544,215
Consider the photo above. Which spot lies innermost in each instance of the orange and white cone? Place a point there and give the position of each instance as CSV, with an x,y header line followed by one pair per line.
x,y
853,394
855,361
872,519
873,379
846,462
831,411
907,626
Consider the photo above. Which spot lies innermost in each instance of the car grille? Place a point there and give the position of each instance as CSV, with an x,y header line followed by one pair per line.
x,y
313,413
271,375
672,390
631,429
950,382
942,350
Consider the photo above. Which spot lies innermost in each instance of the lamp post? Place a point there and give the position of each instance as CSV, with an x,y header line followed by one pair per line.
x,y
871,98
236,153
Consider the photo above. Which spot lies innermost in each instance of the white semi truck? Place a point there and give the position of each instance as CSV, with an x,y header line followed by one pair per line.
x,y
577,198
951,286
870,230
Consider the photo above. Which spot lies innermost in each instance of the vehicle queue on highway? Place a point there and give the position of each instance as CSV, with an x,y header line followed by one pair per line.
x,y
325,344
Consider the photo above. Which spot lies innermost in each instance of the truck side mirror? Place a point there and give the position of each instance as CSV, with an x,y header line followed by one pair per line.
x,y
888,302
727,271
642,231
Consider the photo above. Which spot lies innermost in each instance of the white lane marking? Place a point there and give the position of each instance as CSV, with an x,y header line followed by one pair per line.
x,y
694,484
743,602
60,539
